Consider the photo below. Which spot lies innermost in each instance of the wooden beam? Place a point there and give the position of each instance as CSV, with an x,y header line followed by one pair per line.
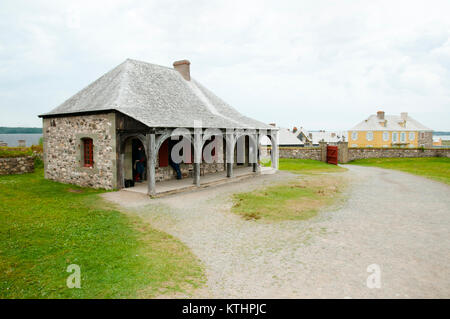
x,y
151,164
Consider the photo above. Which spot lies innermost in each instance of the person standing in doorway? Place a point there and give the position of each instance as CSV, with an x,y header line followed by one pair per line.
x,y
139,165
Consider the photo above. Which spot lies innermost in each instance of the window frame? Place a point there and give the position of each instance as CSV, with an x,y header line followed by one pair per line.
x,y
369,133
385,136
402,137
413,134
395,137
88,152
354,136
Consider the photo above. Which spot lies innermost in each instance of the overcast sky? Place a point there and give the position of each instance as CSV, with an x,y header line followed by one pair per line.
x,y
317,64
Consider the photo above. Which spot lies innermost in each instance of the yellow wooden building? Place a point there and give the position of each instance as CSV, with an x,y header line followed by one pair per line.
x,y
380,130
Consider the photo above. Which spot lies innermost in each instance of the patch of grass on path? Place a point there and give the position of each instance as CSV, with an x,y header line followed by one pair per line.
x,y
298,200
437,168
46,226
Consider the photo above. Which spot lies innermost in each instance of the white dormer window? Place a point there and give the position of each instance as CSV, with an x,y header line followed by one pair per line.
x,y
385,136
412,136
369,136
354,136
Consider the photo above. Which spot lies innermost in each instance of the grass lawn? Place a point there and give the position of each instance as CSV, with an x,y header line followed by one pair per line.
x,y
307,166
437,168
46,226
304,166
297,200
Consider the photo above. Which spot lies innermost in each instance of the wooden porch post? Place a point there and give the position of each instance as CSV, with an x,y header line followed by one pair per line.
x,y
151,164
274,154
255,154
230,154
119,161
197,154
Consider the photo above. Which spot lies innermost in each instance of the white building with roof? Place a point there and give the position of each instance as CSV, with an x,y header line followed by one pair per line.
x,y
285,138
313,138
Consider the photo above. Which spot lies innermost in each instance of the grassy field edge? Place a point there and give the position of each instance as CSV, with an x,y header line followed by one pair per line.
x,y
436,168
46,226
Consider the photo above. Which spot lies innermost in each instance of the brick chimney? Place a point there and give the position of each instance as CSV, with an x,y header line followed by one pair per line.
x,y
380,115
184,69
294,129
404,116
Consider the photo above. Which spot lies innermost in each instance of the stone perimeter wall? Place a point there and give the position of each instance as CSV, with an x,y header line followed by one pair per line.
x,y
349,154
361,153
63,153
314,153
16,165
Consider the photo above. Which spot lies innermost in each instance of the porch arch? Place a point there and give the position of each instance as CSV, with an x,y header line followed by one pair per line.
x,y
123,139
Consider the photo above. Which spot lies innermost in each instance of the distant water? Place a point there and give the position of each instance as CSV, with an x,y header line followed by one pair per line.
x,y
12,139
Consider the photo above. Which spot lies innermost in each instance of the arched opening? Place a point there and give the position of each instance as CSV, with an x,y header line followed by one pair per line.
x,y
213,154
135,166
265,150
181,166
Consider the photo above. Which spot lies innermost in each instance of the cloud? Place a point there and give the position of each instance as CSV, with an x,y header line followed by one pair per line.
x,y
317,64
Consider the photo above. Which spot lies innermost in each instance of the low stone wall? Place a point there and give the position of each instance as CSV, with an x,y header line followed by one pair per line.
x,y
167,173
314,153
361,153
16,165
349,154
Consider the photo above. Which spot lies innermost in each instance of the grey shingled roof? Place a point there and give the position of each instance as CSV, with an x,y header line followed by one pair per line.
x,y
373,123
156,96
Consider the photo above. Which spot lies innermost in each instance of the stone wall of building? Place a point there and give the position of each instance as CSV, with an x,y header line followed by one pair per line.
x,y
425,139
16,165
314,153
361,153
63,150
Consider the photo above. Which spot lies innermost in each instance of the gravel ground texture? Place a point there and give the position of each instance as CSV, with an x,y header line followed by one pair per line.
x,y
395,220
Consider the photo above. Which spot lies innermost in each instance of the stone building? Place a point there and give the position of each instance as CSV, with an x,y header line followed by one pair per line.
x,y
92,138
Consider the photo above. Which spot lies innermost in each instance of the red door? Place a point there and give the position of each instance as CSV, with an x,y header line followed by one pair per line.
x,y
332,155
164,154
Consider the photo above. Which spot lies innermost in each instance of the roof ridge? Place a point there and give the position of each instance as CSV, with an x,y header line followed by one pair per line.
x,y
123,79
144,62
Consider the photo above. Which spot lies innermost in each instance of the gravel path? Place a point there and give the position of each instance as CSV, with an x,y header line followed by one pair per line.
x,y
398,221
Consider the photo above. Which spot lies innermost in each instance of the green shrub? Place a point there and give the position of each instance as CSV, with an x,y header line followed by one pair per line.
x,y
38,162
37,149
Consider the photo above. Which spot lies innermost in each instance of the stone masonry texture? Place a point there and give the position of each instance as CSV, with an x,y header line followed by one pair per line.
x,y
361,153
314,153
63,150
16,165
